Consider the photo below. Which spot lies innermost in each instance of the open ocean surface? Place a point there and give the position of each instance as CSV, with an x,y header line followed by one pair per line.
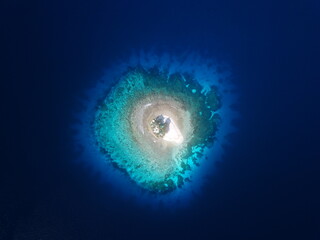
x,y
264,186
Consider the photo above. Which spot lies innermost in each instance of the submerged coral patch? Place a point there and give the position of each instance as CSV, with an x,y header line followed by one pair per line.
x,y
154,126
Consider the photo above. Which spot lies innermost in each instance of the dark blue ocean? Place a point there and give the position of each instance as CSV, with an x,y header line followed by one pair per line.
x,y
265,186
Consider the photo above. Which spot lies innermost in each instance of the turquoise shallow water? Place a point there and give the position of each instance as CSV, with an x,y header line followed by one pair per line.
x,y
121,126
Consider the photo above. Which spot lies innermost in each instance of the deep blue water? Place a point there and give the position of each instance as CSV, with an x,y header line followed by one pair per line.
x,y
265,187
